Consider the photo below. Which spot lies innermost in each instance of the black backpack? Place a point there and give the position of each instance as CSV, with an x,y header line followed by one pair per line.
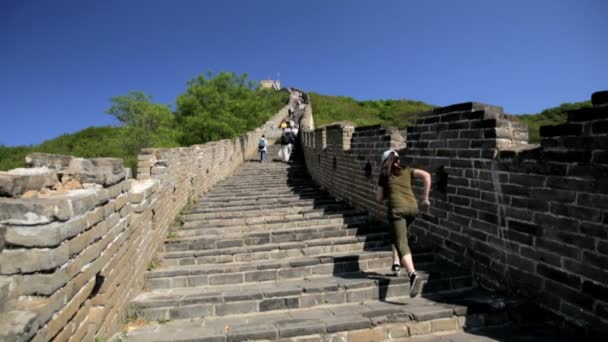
x,y
261,144
287,138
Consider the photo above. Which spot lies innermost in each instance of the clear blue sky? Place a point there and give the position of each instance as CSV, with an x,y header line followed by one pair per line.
x,y
61,60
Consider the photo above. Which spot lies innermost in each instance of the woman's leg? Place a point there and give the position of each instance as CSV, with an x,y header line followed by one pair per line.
x,y
399,223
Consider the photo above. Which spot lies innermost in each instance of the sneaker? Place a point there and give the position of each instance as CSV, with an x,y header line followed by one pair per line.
x,y
414,284
396,268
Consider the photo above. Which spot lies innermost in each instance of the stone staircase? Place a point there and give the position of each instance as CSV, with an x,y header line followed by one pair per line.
x,y
266,255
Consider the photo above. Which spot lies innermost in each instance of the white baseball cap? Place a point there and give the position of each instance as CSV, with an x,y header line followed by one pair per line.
x,y
388,153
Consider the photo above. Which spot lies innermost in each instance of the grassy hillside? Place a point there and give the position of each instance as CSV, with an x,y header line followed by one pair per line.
x,y
399,113
551,116
89,143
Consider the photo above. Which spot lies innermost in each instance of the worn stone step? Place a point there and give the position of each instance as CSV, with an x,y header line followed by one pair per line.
x,y
196,228
267,210
263,189
300,238
268,204
288,267
201,221
218,238
368,320
340,287
286,192
266,174
277,201
276,251
268,192
254,178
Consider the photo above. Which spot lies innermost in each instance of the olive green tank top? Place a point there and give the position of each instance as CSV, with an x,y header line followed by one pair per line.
x,y
398,190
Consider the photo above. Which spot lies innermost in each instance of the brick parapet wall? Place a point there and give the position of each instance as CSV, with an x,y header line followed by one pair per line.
x,y
71,262
531,219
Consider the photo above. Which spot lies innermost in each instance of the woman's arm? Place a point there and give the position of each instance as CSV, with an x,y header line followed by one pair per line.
x,y
426,178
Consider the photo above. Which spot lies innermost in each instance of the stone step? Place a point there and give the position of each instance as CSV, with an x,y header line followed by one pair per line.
x,y
302,292
286,193
267,204
271,270
369,320
219,238
197,228
287,267
276,201
278,169
253,177
255,188
277,251
267,211
284,215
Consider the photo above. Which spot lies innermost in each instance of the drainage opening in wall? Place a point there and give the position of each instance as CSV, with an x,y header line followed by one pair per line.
x,y
368,170
335,163
99,279
442,179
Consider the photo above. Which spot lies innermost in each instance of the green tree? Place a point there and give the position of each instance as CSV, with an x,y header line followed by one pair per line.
x,y
146,124
223,106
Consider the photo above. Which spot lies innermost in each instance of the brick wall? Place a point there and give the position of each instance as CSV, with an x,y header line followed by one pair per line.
x,y
531,219
70,262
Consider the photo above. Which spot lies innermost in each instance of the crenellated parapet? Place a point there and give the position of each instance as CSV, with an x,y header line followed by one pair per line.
x,y
77,234
531,219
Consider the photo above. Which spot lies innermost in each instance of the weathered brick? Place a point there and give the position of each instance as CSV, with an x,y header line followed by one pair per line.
x,y
369,335
592,200
560,130
525,228
420,328
559,275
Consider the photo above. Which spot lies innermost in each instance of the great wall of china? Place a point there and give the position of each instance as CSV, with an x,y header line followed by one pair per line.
x,y
301,258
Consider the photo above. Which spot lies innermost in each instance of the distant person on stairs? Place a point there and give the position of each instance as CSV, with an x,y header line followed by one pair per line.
x,y
262,147
395,184
287,140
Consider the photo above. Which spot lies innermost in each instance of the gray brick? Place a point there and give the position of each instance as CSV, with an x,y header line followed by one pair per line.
x,y
236,308
190,311
253,332
427,313
243,295
260,276
224,279
282,291
279,304
299,327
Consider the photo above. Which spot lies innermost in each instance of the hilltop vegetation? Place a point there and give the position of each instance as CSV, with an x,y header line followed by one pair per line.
x,y
551,116
401,113
398,113
213,107
224,106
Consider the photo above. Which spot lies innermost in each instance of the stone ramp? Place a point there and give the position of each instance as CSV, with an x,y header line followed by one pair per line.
x,y
267,255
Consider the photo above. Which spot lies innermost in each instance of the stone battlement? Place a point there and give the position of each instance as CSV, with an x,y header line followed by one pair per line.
x,y
77,235
529,219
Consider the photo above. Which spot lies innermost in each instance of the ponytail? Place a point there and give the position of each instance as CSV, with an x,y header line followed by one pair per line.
x,y
389,168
